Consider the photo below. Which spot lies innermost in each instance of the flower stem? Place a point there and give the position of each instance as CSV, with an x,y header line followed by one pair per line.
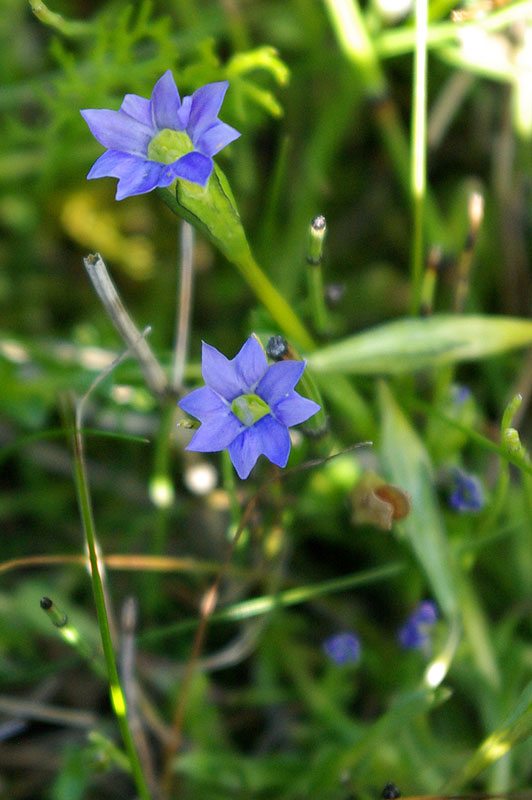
x,y
135,341
73,636
314,259
162,495
418,179
185,305
355,43
118,702
213,212
276,304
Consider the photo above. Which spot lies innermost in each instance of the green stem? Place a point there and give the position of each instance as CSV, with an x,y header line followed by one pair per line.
x,y
64,26
73,637
184,314
228,479
317,300
399,41
234,246
354,41
257,606
353,38
162,494
279,308
418,157
316,237
117,696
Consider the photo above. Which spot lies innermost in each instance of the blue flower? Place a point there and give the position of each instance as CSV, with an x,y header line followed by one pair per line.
x,y
467,493
152,142
247,406
460,394
343,648
414,634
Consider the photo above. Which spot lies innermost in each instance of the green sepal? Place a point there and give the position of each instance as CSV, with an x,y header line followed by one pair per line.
x,y
318,425
213,211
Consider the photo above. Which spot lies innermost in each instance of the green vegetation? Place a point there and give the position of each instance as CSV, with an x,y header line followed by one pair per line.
x,y
163,622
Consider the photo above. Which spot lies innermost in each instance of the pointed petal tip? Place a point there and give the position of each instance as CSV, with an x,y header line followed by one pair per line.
x,y
121,195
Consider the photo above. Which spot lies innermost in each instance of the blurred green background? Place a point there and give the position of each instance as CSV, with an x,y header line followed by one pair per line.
x,y
268,715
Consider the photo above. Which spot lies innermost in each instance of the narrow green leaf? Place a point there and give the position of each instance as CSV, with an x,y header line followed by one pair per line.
x,y
257,606
410,344
408,466
516,728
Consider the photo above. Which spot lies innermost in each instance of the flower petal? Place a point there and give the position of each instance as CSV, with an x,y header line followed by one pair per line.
x,y
206,103
165,103
112,164
214,138
184,112
426,613
118,131
219,373
203,403
250,364
273,440
294,409
139,108
216,434
194,167
143,177
244,451
279,380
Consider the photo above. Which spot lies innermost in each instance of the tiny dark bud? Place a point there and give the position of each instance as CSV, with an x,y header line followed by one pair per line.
x,y
317,231
46,603
390,792
277,347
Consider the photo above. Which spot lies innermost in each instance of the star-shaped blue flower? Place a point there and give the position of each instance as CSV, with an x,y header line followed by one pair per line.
x,y
343,648
247,406
467,494
152,142
414,633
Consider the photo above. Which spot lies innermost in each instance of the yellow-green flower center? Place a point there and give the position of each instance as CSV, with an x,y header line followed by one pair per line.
x,y
169,145
249,408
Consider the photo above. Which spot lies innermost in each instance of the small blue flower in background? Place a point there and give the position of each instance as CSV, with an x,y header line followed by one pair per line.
x,y
247,406
152,142
466,492
343,648
460,394
414,634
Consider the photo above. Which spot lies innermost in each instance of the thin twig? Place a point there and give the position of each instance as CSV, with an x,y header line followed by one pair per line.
x,y
80,405
475,213
96,567
29,709
129,682
186,286
101,280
